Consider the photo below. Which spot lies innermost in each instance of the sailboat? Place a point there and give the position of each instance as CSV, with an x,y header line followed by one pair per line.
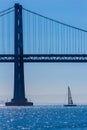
x,y
70,100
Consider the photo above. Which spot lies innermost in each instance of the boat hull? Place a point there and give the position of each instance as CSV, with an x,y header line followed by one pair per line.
x,y
72,105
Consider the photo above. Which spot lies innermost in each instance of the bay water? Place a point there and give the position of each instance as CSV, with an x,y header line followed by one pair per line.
x,y
43,117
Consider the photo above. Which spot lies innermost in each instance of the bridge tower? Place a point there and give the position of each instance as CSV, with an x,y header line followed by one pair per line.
x,y
19,88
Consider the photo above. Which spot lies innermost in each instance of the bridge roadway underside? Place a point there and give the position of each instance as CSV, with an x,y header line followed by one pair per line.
x,y
78,58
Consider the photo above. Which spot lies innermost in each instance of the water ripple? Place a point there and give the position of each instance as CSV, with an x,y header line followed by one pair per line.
x,y
43,118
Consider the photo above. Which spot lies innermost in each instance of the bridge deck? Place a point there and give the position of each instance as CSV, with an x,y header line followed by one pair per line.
x,y
46,58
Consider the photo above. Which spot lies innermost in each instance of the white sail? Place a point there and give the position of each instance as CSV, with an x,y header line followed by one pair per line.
x,y
70,101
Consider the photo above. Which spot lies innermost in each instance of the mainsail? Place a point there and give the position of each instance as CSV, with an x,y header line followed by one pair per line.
x,y
70,101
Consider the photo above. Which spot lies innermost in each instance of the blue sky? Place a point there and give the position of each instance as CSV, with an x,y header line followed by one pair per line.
x,y
47,83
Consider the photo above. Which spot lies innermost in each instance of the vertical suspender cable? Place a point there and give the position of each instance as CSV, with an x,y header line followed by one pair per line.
x,y
44,37
61,40
84,42
33,34
81,43
38,35
27,35
67,40
8,36
75,41
3,44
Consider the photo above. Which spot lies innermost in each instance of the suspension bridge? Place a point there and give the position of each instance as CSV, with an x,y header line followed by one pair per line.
x,y
26,36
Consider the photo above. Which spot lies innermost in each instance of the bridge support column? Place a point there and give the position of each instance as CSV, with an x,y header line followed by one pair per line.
x,y
19,89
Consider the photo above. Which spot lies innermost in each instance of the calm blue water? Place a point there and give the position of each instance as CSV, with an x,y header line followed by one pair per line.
x,y
43,118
